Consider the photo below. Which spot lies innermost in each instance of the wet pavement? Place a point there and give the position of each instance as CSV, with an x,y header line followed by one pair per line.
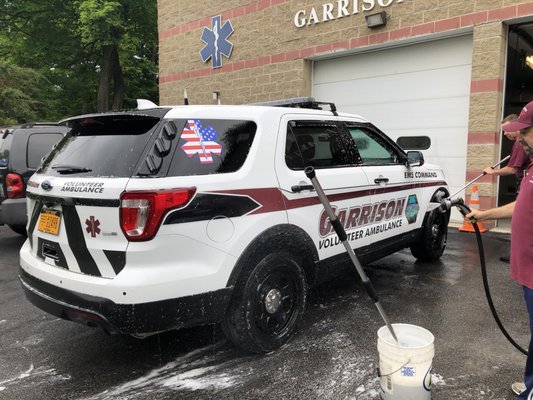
x,y
334,355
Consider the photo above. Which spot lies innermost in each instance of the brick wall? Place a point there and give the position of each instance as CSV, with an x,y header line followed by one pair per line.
x,y
269,56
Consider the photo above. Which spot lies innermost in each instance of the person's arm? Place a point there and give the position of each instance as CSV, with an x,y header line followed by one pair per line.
x,y
502,212
507,170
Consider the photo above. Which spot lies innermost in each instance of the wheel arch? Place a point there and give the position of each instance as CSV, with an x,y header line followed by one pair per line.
x,y
284,237
438,195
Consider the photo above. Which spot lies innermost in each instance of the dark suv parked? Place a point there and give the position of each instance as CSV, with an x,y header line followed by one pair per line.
x,y
21,151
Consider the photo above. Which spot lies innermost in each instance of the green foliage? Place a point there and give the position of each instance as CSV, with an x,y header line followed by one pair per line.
x,y
54,47
101,22
25,95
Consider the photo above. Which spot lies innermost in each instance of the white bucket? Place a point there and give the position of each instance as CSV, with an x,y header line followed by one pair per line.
x,y
405,369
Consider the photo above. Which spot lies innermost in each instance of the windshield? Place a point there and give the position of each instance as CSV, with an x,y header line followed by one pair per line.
x,y
105,146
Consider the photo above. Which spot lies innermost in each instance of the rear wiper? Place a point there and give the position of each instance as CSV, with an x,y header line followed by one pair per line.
x,y
70,169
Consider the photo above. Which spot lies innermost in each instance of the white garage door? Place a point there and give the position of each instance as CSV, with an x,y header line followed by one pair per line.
x,y
416,90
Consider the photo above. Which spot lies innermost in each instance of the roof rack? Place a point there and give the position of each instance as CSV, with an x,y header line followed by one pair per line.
x,y
300,102
7,131
32,124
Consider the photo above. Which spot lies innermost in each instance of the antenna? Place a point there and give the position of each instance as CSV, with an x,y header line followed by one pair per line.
x,y
143,104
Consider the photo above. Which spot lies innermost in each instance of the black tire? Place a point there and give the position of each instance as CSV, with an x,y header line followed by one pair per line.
x,y
431,241
267,305
20,229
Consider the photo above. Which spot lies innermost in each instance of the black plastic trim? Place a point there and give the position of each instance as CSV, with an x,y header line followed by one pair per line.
x,y
340,264
140,318
205,206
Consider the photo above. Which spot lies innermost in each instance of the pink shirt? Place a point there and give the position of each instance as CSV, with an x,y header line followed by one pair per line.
x,y
522,233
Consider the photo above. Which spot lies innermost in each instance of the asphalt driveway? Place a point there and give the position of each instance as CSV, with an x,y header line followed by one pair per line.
x,y
334,355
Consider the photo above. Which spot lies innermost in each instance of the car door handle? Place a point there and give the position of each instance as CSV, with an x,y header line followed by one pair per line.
x,y
381,180
300,188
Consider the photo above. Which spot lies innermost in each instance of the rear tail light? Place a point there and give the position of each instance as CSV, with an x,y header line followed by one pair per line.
x,y
141,212
14,186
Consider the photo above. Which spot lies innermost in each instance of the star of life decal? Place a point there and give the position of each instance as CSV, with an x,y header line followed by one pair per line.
x,y
216,42
200,140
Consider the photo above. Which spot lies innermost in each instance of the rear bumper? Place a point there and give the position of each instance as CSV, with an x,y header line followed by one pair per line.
x,y
13,212
126,318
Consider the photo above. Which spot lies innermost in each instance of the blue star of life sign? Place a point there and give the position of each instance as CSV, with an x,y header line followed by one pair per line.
x,y
216,42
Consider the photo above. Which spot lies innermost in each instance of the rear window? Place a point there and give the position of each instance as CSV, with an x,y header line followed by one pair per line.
x,y
39,144
5,145
211,146
104,146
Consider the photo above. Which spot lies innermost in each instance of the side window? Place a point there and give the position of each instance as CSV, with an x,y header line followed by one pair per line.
x,y
315,143
373,149
5,144
40,144
208,146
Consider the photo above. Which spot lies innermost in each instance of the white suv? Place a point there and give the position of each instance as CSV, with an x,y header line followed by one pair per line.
x,y
162,218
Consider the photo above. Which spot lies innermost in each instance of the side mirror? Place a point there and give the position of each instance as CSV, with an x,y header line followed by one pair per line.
x,y
415,159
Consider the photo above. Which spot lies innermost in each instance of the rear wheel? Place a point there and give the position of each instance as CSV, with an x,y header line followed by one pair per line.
x,y
20,229
268,304
431,241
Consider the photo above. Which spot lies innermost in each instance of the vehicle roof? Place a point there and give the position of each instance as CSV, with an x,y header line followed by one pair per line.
x,y
216,111
225,111
38,129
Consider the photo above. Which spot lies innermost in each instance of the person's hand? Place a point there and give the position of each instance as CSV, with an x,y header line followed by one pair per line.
x,y
488,171
474,215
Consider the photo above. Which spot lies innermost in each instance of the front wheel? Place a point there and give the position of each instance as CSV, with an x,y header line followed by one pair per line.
x,y
268,304
431,241
20,229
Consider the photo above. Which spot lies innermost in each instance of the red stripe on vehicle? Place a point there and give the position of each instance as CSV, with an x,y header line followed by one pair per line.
x,y
273,199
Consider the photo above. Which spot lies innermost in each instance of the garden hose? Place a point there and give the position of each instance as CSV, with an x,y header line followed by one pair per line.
x,y
459,203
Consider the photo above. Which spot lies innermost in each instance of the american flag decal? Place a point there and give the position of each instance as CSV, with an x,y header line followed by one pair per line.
x,y
200,140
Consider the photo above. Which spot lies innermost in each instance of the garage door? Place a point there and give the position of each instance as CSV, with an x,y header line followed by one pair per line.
x,y
416,90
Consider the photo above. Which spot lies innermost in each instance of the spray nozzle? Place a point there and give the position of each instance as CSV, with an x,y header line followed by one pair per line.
x,y
447,204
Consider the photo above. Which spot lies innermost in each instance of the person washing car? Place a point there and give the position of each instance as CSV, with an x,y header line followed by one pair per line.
x,y
517,164
521,227
519,160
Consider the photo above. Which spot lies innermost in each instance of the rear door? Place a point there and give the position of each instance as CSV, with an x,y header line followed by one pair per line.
x,y
74,197
320,143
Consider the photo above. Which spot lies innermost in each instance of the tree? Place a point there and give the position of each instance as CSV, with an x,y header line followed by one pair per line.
x,y
102,27
22,95
91,54
120,31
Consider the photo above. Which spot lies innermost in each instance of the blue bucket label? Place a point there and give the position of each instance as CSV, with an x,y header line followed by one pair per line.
x,y
408,371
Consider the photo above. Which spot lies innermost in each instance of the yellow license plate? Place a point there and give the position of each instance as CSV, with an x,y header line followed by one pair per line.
x,y
49,221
